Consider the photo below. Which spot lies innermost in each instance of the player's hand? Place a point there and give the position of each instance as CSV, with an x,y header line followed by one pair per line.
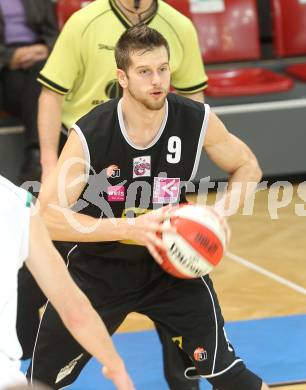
x,y
119,377
145,228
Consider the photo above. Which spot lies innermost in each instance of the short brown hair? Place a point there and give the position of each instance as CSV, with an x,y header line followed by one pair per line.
x,y
138,37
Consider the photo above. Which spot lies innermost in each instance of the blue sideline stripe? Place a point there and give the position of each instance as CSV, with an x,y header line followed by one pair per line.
x,y
274,348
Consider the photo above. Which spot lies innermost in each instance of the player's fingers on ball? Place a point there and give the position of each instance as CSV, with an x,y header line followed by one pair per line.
x,y
158,243
169,228
168,211
162,213
154,253
155,240
153,227
156,228
158,216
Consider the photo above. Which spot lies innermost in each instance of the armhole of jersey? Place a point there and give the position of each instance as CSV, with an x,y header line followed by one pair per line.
x,y
201,141
85,148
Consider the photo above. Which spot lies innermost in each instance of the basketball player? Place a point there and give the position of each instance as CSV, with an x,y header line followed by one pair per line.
x,y
145,145
79,75
24,238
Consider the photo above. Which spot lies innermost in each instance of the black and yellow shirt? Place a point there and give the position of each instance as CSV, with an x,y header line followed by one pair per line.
x,y
82,65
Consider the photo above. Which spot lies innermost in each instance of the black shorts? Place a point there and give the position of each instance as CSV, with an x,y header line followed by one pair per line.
x,y
187,310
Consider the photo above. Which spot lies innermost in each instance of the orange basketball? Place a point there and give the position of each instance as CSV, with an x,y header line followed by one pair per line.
x,y
199,243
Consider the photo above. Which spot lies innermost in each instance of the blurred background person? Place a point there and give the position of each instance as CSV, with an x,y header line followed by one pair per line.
x,y
28,30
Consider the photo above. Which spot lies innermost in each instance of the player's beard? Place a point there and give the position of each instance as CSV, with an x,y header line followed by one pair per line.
x,y
147,103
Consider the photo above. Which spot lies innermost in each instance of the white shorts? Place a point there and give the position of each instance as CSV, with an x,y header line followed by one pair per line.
x,y
10,373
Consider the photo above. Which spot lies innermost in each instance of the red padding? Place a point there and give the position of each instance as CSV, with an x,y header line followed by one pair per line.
x,y
246,81
298,71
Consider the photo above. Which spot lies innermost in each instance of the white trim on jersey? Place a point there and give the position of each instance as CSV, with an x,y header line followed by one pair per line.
x,y
201,142
125,134
85,148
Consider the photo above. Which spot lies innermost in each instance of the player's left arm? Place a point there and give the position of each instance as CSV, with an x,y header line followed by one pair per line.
x,y
74,308
233,156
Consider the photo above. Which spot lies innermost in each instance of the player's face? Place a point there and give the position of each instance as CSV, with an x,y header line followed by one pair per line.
x,y
148,77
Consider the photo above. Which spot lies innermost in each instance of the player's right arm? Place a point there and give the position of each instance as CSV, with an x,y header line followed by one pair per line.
x,y
72,305
49,126
63,188
234,157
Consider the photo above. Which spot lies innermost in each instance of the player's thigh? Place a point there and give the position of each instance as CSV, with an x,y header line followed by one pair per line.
x,y
190,313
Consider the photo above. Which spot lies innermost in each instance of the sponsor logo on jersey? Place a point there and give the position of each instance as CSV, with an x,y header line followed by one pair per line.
x,y
116,193
113,171
67,370
166,190
142,166
200,354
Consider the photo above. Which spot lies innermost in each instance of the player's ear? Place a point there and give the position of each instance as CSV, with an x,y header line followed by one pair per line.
x,y
122,78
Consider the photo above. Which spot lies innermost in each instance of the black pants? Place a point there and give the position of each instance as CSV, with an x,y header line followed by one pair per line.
x,y
30,299
20,92
187,311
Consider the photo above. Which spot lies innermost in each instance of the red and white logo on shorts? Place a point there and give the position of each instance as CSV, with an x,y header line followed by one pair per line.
x,y
200,354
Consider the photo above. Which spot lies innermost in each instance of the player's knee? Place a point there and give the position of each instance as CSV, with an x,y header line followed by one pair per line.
x,y
238,378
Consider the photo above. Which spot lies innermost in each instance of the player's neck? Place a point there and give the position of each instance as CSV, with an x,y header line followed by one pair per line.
x,y
141,124
145,10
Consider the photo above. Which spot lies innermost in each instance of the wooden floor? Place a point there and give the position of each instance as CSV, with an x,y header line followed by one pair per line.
x,y
275,245
297,387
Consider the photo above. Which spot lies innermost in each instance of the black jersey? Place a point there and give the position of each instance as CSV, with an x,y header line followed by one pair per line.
x,y
126,180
